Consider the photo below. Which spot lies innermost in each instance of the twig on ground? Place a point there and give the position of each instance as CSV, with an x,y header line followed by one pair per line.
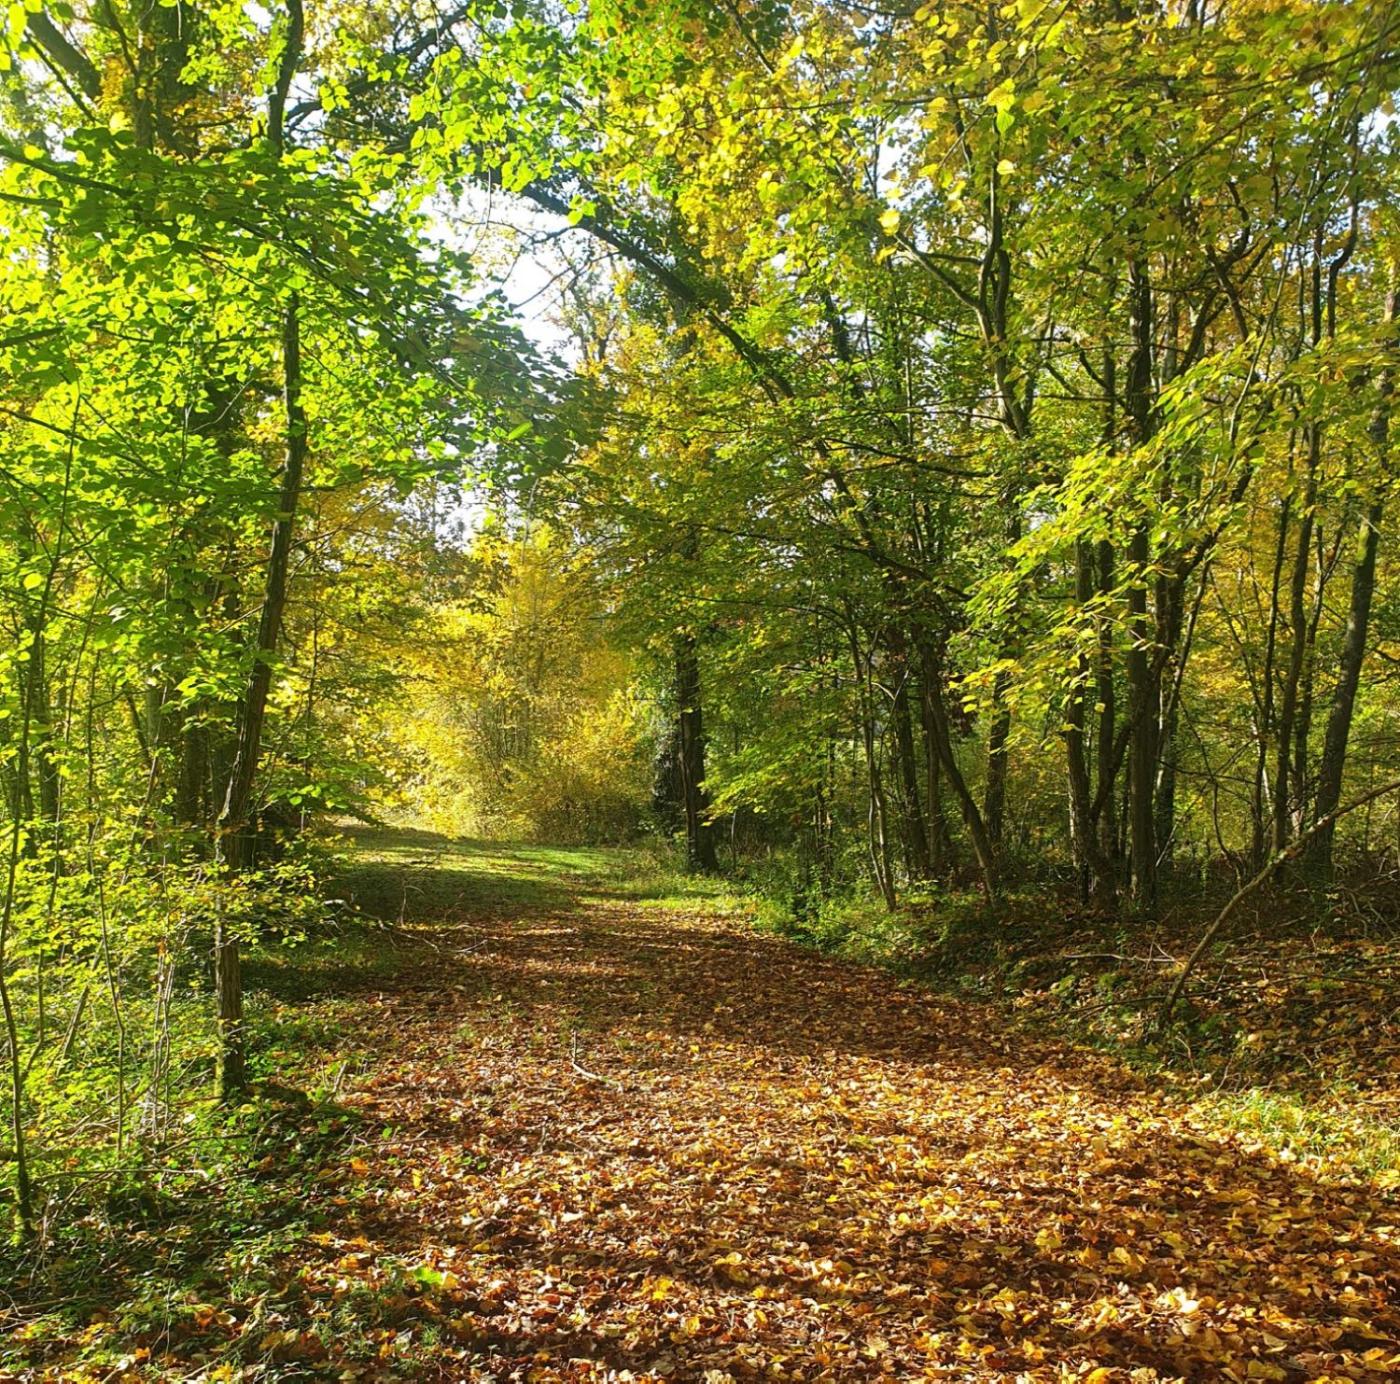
x,y
1117,956
1262,878
583,1071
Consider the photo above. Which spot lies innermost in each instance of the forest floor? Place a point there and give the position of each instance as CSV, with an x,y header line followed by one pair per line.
x,y
567,1124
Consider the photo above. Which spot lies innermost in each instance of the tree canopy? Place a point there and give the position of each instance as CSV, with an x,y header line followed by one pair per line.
x,y
940,452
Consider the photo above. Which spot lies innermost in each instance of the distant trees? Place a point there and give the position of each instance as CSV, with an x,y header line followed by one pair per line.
x,y
519,716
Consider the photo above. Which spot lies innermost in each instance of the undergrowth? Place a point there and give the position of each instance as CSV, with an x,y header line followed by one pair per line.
x,y
1286,1036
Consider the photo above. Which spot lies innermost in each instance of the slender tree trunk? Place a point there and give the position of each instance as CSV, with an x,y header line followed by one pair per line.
x,y
914,827
1287,788
43,736
823,856
940,840
699,834
998,759
936,717
1171,624
1104,815
1096,869
1355,637
1142,747
1014,393
1105,762
24,1191
1302,725
877,814
1143,685
1354,644
1265,727
14,850
193,772
235,836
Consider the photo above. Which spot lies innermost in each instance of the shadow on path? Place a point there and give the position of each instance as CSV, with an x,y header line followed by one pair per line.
x,y
657,1142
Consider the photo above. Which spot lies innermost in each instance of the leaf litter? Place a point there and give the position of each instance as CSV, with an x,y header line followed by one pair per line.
x,y
616,1141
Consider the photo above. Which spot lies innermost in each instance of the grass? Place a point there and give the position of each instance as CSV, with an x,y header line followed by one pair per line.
x,y
1338,1130
398,874
952,938
654,874
344,957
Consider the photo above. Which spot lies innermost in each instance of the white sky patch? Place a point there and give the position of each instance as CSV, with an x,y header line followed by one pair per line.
x,y
512,246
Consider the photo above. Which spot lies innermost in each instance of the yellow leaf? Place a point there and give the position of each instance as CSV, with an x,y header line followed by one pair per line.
x,y
889,221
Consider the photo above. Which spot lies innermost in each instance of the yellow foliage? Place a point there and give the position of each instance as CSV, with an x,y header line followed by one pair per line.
x,y
522,720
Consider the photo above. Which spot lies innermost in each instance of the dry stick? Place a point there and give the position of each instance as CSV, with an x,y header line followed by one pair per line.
x,y
1262,878
583,1071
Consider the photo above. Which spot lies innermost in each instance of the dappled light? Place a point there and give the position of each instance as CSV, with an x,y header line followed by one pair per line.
x,y
699,690
609,1139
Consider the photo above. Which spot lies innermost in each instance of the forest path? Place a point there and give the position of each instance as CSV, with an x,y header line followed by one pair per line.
x,y
619,1139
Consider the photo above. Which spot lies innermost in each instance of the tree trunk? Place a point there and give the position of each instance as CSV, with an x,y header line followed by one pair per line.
x,y
1285,792
940,840
1264,711
193,772
1142,747
914,829
1143,683
1105,758
1095,867
44,740
1171,627
936,718
234,840
994,798
699,835
1354,644
877,815
234,836
1354,640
